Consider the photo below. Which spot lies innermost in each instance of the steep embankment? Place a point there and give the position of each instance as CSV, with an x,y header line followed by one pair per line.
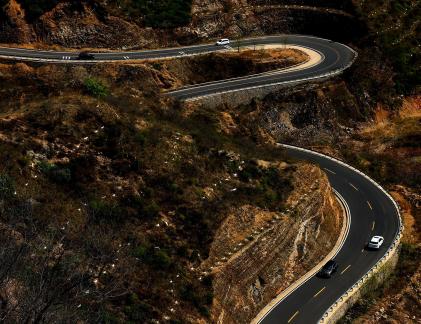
x,y
129,194
258,253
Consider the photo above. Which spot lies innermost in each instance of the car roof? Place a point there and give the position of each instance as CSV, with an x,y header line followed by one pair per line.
x,y
376,238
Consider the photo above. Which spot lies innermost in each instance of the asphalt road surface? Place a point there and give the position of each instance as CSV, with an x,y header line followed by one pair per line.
x,y
372,212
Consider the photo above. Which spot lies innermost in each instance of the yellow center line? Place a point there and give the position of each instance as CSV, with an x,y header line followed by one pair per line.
x,y
292,317
353,186
369,205
345,269
372,227
319,292
329,170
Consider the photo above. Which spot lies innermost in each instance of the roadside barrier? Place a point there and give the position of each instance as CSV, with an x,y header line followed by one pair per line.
x,y
392,248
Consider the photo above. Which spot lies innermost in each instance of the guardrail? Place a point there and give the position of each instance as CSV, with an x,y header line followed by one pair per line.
x,y
392,248
302,80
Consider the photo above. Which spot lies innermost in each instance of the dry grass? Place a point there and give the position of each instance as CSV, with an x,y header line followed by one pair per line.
x,y
269,55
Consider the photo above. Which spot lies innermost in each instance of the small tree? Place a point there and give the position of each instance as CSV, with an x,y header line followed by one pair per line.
x,y
96,88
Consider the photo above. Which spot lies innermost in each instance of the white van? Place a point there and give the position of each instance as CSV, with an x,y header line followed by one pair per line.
x,y
223,41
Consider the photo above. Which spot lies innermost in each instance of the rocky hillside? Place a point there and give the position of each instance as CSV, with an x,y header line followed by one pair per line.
x,y
112,24
118,198
257,253
110,185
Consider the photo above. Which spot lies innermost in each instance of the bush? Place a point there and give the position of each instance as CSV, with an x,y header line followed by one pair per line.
x,y
164,13
136,310
160,260
140,138
7,187
55,173
102,211
96,88
151,210
157,258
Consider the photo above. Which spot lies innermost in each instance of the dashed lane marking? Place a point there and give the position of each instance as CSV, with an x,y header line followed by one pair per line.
x,y
353,186
329,170
369,205
345,269
292,317
319,292
372,227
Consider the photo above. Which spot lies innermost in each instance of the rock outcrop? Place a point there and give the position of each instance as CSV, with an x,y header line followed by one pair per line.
x,y
256,253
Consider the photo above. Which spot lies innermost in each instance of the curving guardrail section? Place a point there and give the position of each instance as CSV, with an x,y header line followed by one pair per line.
x,y
392,248
296,81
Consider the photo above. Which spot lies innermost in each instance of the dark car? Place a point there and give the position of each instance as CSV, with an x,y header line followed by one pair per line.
x,y
328,269
85,56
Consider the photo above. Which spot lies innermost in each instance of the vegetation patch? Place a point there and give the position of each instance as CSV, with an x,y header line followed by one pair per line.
x,y
95,87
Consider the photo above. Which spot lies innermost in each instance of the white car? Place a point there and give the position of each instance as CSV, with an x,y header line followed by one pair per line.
x,y
375,242
223,41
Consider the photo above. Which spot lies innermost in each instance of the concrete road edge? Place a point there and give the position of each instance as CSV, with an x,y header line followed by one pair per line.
x,y
339,243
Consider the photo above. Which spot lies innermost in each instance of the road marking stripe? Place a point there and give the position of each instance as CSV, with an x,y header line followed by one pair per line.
x,y
292,317
329,170
372,227
362,250
353,186
319,292
345,269
369,205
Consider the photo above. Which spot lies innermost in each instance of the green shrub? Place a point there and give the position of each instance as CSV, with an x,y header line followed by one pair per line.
x,y
137,310
164,13
7,188
140,251
103,211
55,173
140,138
156,258
157,66
95,87
151,210
160,259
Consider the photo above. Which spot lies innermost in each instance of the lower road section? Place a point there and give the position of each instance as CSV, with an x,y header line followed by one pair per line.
x,y
372,213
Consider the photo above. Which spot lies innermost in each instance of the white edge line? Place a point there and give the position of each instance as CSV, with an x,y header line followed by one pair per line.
x,y
339,247
398,234
291,68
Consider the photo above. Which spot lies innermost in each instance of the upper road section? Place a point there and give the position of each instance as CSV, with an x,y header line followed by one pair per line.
x,y
336,57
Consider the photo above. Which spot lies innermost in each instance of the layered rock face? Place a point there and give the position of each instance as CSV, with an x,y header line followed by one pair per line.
x,y
101,24
256,254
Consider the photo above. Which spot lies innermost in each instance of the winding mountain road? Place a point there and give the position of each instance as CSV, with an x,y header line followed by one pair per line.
x,y
372,211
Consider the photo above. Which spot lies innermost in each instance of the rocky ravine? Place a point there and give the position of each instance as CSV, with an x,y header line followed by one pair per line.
x,y
256,253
